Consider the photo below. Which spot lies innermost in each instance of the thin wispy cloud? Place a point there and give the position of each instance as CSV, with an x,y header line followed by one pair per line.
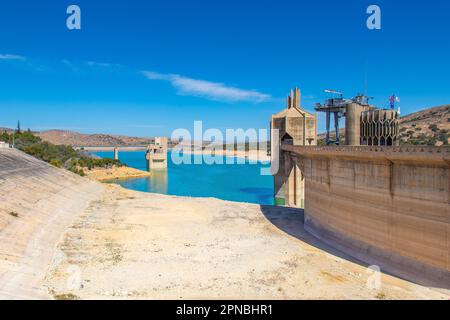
x,y
87,67
207,89
12,57
71,66
66,62
145,126
309,97
102,64
186,86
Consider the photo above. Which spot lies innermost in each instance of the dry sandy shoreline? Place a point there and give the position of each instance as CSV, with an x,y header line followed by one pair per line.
x,y
124,172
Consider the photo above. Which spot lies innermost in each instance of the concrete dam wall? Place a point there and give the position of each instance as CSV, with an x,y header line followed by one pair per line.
x,y
37,203
386,206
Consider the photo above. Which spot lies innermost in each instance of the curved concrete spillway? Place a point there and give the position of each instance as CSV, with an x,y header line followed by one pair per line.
x,y
386,206
37,203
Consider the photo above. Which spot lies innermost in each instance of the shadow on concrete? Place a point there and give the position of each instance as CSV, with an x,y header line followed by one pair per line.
x,y
291,221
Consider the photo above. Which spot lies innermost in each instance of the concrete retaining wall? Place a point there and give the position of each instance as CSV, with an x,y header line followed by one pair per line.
x,y
37,204
386,206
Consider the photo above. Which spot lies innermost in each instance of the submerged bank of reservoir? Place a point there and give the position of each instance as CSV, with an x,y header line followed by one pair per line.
x,y
234,182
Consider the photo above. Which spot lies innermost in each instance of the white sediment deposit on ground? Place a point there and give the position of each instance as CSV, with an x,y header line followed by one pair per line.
x,y
66,236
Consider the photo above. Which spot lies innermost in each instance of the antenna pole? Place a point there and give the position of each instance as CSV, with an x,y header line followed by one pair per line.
x,y
365,79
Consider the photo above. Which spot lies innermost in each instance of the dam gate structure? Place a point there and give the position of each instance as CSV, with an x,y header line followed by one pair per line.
x,y
296,127
364,124
156,154
384,205
379,128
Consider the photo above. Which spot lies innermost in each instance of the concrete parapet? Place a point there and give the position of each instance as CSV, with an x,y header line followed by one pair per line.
x,y
407,153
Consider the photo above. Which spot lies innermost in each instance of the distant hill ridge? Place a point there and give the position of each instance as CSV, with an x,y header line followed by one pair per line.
x,y
427,127
72,138
3,129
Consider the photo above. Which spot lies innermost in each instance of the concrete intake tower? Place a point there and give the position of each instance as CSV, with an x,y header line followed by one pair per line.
x,y
385,205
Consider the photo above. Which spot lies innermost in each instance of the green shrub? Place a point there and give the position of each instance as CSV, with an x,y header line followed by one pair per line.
x,y
433,128
56,162
444,138
60,156
14,214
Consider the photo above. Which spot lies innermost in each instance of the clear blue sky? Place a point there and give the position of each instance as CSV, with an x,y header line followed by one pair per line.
x,y
147,67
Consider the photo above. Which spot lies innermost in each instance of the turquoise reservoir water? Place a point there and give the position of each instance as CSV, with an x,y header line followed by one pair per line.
x,y
236,182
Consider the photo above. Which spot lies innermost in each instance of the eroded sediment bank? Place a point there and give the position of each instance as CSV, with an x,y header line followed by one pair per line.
x,y
124,172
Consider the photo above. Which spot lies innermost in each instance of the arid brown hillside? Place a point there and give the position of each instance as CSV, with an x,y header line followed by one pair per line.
x,y
8,130
60,137
427,127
